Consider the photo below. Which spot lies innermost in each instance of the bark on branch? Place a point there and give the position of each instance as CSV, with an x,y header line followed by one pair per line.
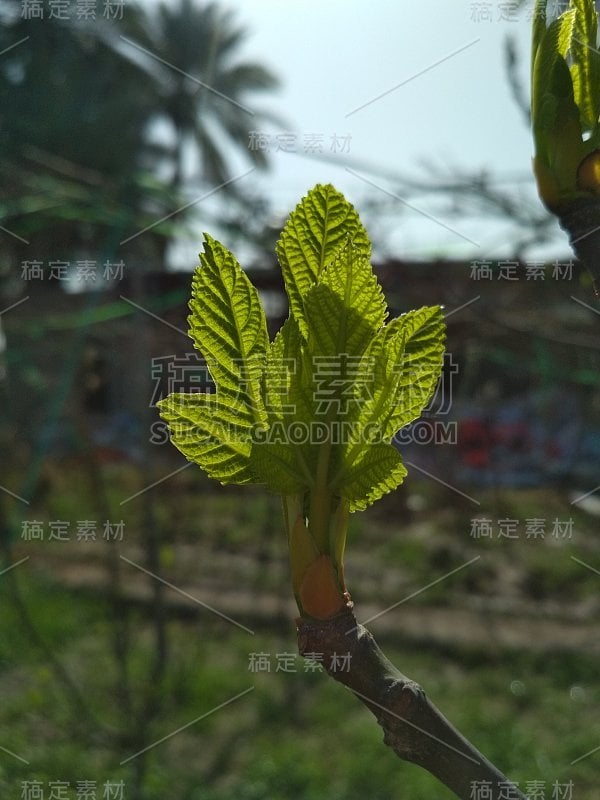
x,y
580,218
412,726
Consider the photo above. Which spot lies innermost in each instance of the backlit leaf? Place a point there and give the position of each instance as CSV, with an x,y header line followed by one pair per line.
x,y
317,228
585,69
228,326
213,433
377,471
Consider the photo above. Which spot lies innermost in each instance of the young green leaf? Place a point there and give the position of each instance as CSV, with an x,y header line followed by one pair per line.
x,y
350,275
312,414
399,372
228,326
334,328
284,358
215,434
402,366
280,448
419,336
585,69
377,471
550,82
275,462
565,104
538,29
314,232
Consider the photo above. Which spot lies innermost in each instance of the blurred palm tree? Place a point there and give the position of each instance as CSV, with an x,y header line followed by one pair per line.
x,y
79,101
77,164
202,88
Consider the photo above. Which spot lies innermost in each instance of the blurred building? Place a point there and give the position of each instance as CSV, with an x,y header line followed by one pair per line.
x,y
518,404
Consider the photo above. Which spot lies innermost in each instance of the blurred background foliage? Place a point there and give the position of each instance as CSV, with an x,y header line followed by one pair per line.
x,y
151,599
95,127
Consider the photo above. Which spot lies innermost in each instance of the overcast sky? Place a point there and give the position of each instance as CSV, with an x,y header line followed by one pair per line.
x,y
394,83
336,56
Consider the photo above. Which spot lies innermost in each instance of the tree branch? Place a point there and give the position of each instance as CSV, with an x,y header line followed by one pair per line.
x,y
580,218
412,726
